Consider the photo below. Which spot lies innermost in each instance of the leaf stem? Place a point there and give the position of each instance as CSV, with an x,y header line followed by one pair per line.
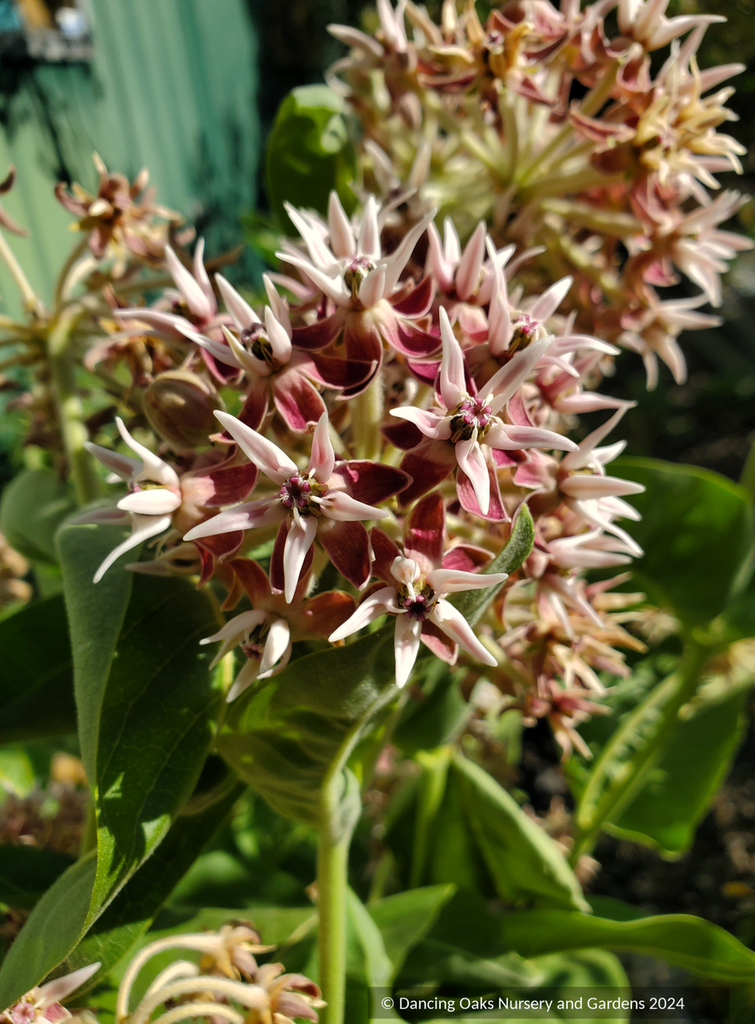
x,y
366,416
69,406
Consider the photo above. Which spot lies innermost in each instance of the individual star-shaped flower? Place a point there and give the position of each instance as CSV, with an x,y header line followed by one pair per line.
x,y
42,1003
418,581
469,421
330,501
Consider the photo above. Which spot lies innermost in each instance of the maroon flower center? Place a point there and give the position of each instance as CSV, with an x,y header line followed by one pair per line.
x,y
355,271
417,604
253,644
470,416
256,342
297,493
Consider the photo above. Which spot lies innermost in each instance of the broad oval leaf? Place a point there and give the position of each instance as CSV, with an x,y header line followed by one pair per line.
x,y
33,506
680,939
697,535
525,863
283,735
36,688
309,153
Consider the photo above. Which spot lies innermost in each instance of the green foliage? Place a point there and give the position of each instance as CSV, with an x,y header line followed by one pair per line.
x,y
524,861
36,687
309,152
33,506
27,871
147,705
283,735
404,919
694,763
697,535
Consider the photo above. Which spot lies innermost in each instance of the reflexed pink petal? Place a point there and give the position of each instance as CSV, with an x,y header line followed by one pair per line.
x,y
320,334
410,341
428,464
200,274
452,384
425,528
228,484
324,613
466,558
468,499
431,424
371,608
344,509
403,435
334,372
300,538
385,551
253,579
341,236
472,462
406,647
144,528
278,337
157,501
419,300
348,546
249,516
370,482
322,459
255,407
278,564
190,290
362,336
263,453
442,646
242,313
297,400
217,548
453,624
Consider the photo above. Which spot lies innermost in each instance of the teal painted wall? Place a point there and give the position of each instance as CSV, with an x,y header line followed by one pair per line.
x,y
172,86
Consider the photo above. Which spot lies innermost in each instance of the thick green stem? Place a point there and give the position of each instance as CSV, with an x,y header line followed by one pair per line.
x,y
70,408
366,417
332,888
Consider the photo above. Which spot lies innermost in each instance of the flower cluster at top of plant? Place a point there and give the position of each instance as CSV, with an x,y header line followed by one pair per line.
x,y
361,441
587,132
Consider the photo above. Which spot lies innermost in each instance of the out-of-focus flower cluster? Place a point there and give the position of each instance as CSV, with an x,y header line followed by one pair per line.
x,y
561,127
227,984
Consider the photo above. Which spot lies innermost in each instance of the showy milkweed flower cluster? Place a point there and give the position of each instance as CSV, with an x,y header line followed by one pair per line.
x,y
388,427
559,126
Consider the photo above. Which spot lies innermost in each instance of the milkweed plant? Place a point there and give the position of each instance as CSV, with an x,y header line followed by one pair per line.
x,y
338,544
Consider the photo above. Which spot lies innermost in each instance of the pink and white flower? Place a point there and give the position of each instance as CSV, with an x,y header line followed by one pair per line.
x,y
42,1003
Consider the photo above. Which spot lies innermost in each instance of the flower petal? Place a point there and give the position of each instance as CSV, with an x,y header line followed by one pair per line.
x,y
471,460
406,647
453,624
452,384
145,528
322,459
190,289
277,643
242,313
377,604
343,508
153,467
250,515
348,545
301,537
273,462
157,501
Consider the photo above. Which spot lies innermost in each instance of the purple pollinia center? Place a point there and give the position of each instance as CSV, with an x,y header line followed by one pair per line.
x,y
526,330
253,644
256,342
417,603
297,493
355,270
470,416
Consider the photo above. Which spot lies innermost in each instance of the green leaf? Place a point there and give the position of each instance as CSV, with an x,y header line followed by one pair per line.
x,y
36,689
438,716
680,939
147,706
309,152
525,863
283,735
404,919
583,969
17,771
132,911
33,506
679,790
473,603
27,871
54,927
697,535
